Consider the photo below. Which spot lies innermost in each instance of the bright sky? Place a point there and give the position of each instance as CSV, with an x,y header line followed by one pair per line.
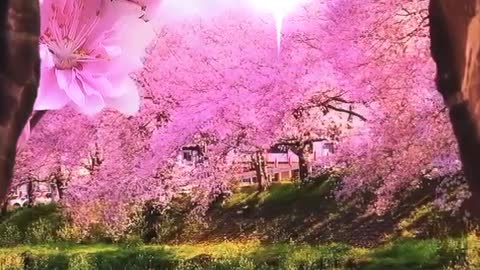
x,y
277,9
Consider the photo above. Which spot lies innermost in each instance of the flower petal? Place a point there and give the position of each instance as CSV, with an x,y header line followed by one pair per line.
x,y
94,102
129,103
50,96
67,81
46,56
103,85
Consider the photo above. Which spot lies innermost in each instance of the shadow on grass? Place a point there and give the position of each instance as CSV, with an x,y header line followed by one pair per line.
x,y
311,214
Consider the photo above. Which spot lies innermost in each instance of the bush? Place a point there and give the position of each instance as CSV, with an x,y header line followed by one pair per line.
x,y
35,225
160,225
98,233
81,261
11,262
40,231
70,233
10,235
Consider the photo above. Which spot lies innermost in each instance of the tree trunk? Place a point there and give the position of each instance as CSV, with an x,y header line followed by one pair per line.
x,y
260,166
4,208
59,182
304,166
30,195
59,186
455,47
19,77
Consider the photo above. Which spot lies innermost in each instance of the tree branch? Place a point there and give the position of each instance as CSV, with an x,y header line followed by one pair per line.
x,y
347,111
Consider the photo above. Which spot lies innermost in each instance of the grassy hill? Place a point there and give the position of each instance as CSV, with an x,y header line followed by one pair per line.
x,y
285,227
310,214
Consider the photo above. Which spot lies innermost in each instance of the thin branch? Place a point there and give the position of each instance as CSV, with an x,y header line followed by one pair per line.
x,y
347,111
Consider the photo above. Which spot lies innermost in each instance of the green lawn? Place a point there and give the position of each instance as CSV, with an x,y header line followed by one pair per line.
x,y
406,254
306,228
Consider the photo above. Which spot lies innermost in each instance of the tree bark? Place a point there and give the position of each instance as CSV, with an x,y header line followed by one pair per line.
x,y
19,77
455,48
260,167
30,192
59,182
304,166
4,208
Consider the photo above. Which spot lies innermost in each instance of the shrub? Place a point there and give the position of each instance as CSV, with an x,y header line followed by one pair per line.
x,y
81,261
131,241
10,235
70,233
38,224
42,230
98,233
11,261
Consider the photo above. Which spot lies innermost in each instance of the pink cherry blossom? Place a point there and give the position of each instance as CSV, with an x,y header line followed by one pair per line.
x,y
150,7
88,52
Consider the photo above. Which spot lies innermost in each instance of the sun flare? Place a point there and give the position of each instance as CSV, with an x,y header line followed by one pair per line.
x,y
279,9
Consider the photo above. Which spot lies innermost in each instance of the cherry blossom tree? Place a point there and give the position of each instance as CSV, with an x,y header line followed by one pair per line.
x,y
222,84
239,82
326,116
88,54
407,132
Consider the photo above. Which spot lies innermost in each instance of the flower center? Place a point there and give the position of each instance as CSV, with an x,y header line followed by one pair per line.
x,y
67,34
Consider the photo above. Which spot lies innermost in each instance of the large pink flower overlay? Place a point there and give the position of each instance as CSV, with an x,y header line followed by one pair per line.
x,y
89,49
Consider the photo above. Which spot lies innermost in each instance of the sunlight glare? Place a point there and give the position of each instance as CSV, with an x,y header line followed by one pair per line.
x,y
279,9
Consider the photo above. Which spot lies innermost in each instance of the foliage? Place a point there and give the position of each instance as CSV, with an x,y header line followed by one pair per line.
x,y
386,57
9,235
41,231
124,160
70,233
39,224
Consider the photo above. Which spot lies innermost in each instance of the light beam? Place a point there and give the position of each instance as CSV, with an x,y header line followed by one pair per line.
x,y
279,9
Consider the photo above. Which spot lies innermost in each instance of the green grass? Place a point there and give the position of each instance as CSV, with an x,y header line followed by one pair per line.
x,y
33,236
408,254
240,196
279,194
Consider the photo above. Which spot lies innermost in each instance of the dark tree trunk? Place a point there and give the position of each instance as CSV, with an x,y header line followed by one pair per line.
x,y
59,186
19,77
58,183
3,208
30,192
303,166
260,166
455,47
302,151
